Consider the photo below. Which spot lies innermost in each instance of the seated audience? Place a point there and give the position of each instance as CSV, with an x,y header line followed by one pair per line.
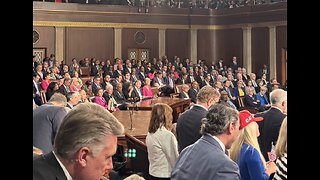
x,y
250,99
193,91
72,99
226,101
184,93
52,88
99,99
262,98
146,89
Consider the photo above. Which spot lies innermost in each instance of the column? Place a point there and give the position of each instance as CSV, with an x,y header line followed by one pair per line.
x,y
193,46
247,58
59,46
162,42
117,42
272,52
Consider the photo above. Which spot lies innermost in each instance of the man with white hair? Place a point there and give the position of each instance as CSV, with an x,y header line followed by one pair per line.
x,y
269,128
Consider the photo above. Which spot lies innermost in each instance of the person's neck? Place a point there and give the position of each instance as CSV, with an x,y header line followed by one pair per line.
x,y
202,104
223,138
276,107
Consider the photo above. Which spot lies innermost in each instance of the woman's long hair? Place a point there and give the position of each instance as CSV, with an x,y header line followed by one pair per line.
x,y
161,115
281,146
248,135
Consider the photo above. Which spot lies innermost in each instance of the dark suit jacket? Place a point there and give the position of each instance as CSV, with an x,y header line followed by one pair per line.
x,y
193,95
204,159
188,126
187,81
47,167
269,129
94,70
248,101
63,90
119,97
141,77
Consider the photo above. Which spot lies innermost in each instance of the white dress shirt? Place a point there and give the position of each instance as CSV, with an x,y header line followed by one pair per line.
x,y
63,168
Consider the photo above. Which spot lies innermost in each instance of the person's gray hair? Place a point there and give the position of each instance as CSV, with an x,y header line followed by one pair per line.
x,y
58,98
72,94
109,86
206,93
218,119
86,125
277,96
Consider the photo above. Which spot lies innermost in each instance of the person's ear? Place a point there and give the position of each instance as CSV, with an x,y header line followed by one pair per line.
x,y
82,156
231,128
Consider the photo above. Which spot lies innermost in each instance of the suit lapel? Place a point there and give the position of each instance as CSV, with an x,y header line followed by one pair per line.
x,y
56,168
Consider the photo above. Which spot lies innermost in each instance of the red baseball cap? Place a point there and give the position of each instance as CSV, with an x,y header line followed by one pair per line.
x,y
245,118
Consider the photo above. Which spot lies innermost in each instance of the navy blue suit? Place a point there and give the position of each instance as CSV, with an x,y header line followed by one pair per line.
x,y
188,126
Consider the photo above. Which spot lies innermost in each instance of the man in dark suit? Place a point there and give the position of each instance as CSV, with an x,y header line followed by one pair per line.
x,y
269,128
193,91
188,124
206,158
64,88
234,64
36,90
73,99
250,99
46,121
83,147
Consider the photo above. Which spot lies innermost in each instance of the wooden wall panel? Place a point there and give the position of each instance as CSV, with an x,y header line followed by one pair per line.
x,y
260,48
177,43
281,43
216,44
151,42
89,42
47,39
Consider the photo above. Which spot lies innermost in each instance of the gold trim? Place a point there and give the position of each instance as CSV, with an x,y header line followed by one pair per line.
x,y
155,26
108,25
157,14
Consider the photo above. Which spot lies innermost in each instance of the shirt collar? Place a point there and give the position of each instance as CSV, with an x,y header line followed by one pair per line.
x,y
201,106
277,108
63,168
219,141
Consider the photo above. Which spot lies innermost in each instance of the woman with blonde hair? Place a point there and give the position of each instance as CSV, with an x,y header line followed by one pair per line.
x,y
281,152
161,143
245,150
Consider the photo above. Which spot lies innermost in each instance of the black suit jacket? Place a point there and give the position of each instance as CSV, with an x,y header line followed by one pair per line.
x,y
269,129
188,126
248,101
63,90
47,167
193,95
119,97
